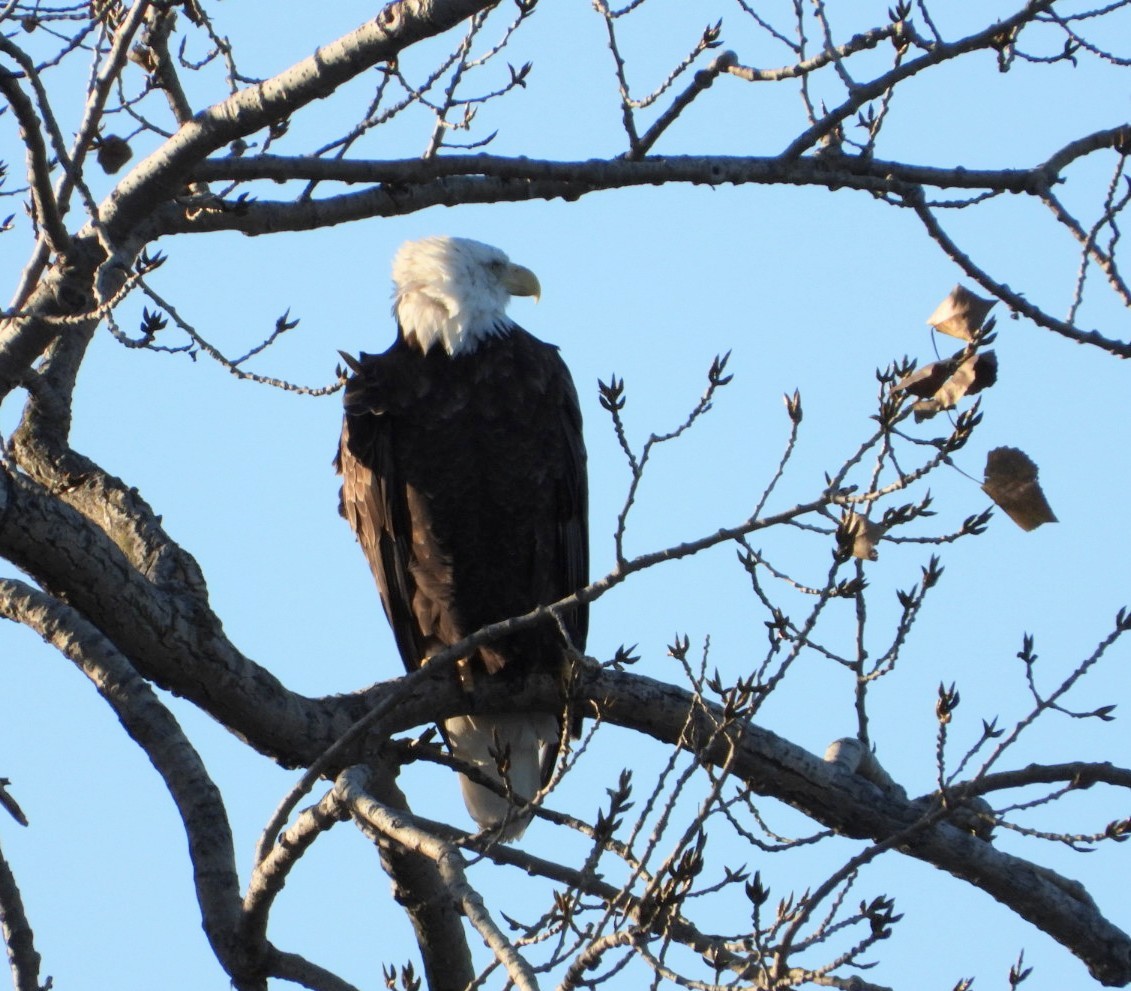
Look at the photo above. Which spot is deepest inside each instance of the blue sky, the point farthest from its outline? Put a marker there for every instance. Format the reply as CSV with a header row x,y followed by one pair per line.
x,y
809,291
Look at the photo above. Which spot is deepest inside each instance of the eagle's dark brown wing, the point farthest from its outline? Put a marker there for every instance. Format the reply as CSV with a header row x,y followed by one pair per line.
x,y
465,481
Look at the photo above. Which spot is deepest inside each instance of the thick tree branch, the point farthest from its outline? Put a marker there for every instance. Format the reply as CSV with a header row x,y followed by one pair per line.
x,y
18,938
431,882
420,888
849,804
154,729
168,635
116,508
63,291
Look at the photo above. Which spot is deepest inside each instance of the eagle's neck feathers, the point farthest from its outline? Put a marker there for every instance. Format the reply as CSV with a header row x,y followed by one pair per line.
x,y
426,321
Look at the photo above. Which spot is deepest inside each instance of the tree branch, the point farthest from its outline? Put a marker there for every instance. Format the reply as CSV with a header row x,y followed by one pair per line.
x,y
862,93
18,937
852,806
155,730
426,880
159,177
1014,300
292,967
171,636
591,175
46,209
271,870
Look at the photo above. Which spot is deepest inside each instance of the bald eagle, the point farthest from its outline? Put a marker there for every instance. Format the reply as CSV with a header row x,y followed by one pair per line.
x,y
463,477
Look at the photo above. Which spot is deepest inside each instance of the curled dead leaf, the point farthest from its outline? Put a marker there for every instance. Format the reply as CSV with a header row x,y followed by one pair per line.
x,y
113,152
1011,481
961,314
942,384
984,372
926,381
864,533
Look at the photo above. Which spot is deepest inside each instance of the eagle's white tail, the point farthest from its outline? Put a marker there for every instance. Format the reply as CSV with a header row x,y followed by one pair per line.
x,y
527,735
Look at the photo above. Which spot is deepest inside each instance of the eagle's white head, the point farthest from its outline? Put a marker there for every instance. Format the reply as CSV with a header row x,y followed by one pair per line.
x,y
454,291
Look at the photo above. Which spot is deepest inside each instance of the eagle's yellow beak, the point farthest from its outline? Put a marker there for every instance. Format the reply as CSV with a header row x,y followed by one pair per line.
x,y
520,281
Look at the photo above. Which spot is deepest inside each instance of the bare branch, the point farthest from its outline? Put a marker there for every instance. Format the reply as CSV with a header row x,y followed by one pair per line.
x,y
702,82
46,209
18,937
154,729
859,43
859,172
273,867
937,54
1014,300
158,178
427,879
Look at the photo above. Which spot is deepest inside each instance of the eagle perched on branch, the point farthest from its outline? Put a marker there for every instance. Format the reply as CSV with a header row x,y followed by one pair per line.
x,y
463,477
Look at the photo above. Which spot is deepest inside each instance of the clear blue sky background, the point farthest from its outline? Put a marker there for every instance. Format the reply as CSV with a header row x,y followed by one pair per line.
x,y
809,290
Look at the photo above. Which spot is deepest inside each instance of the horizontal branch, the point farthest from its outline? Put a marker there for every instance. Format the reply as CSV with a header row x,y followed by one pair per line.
x,y
188,653
1077,773
853,806
844,802
860,172
405,186
161,175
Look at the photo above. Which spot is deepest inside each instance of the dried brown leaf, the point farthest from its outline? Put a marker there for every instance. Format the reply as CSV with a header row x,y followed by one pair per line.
x,y
865,535
926,408
976,373
985,372
942,384
113,152
1011,481
926,381
961,314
